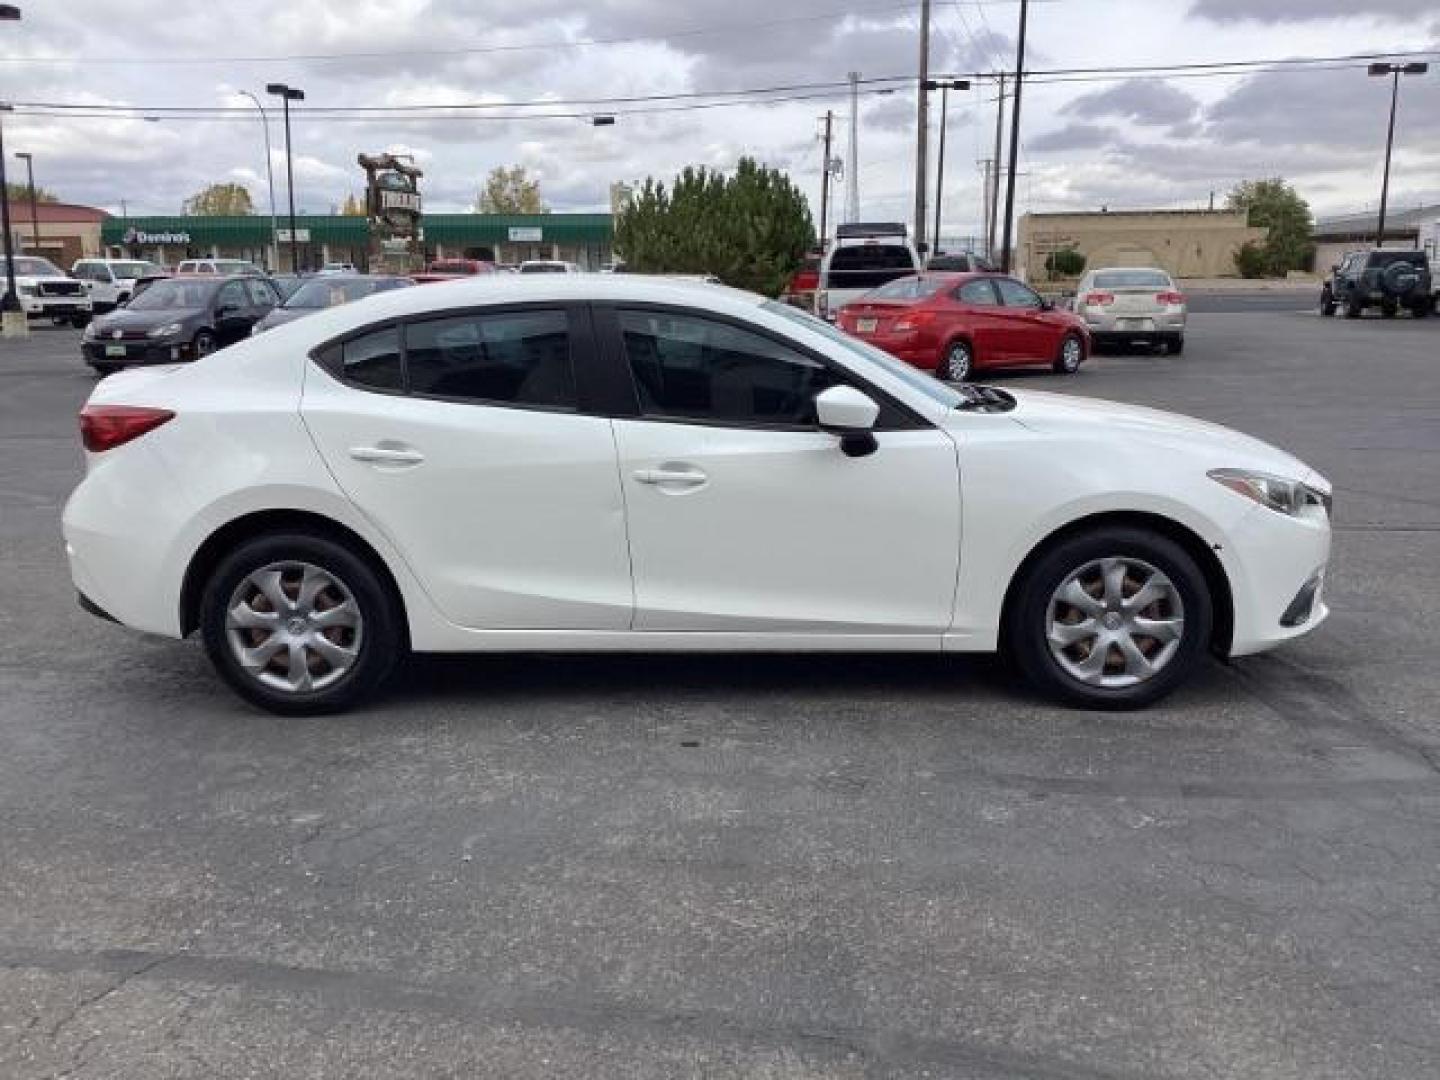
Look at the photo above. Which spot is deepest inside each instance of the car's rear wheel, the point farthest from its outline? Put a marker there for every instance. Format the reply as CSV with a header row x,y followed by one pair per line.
x,y
205,343
1353,308
1175,345
105,369
957,363
1421,308
1389,308
1113,618
299,624
1071,355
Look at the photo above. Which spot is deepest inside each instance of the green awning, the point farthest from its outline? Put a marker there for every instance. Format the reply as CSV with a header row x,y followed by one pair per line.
x,y
253,230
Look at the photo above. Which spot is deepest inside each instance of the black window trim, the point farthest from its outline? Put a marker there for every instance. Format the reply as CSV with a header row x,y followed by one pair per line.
x,y
581,341
617,371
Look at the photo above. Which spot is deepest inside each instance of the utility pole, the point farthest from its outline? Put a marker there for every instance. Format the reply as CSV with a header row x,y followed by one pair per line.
x,y
852,181
825,182
1014,139
29,160
994,214
987,232
1394,71
922,126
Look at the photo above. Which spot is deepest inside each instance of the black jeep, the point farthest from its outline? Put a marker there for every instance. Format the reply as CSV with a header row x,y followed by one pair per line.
x,y
1386,279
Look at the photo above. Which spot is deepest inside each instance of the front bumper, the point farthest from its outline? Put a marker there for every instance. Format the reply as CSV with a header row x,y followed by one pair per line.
x,y
1277,566
135,353
55,307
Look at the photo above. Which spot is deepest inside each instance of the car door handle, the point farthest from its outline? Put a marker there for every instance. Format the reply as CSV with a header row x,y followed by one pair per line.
x,y
671,477
386,455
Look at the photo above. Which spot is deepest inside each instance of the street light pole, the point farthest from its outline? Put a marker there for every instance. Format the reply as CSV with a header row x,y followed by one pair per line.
x,y
28,158
270,183
945,85
922,126
288,94
1014,141
1394,71
12,316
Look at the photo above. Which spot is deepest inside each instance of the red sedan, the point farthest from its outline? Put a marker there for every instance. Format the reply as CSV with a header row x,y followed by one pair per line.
x,y
956,324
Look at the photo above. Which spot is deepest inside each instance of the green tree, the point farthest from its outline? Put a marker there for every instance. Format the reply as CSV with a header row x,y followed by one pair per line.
x,y
20,193
1251,260
750,229
1067,262
510,191
1276,206
220,200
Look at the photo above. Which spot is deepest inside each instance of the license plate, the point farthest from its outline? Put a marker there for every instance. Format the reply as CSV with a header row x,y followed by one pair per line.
x,y
1133,324
114,350
865,326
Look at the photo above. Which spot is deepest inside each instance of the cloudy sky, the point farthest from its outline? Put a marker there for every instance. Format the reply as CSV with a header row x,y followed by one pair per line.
x,y
1117,141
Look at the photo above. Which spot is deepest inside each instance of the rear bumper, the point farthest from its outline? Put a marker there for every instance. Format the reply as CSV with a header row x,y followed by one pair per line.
x,y
1122,337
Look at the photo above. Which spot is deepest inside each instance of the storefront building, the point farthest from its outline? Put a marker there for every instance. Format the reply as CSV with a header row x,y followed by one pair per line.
x,y
585,239
60,232
1187,243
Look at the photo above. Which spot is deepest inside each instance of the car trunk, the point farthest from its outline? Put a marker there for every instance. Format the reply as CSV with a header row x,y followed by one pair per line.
x,y
874,316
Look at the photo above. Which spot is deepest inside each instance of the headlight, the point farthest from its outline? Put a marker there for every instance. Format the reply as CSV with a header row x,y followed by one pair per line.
x,y
168,330
27,290
1275,492
92,331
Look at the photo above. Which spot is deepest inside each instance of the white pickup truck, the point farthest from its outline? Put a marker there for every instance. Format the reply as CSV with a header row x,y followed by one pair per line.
x,y
45,292
111,281
862,257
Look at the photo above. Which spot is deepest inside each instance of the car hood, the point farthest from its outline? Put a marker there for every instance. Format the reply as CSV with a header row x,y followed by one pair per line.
x,y
1061,414
126,319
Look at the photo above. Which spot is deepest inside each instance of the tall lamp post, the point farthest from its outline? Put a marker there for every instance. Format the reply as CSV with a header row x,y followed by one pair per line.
x,y
944,86
269,181
1394,71
288,94
12,315
28,158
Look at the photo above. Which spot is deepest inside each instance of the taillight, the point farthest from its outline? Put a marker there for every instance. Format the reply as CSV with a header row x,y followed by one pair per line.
x,y
104,427
1099,299
914,320
805,281
1169,298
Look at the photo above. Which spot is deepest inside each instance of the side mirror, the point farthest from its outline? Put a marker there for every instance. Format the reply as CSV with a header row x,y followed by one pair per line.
x,y
845,411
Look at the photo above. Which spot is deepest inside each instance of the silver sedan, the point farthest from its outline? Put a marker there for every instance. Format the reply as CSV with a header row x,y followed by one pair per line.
x,y
1132,304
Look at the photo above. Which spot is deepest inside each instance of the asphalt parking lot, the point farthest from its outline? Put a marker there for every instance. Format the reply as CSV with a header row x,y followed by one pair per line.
x,y
749,866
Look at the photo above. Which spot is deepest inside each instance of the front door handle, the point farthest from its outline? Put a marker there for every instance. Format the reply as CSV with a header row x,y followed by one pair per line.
x,y
671,476
387,455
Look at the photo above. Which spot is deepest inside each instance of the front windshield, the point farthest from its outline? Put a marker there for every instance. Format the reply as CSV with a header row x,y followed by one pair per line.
x,y
333,293
172,294
134,269
912,377
34,266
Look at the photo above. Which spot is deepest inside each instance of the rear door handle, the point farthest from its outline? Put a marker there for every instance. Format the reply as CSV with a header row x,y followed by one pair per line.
x,y
387,455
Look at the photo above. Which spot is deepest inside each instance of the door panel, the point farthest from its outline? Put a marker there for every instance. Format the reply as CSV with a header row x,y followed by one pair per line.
x,y
511,518
978,312
1028,334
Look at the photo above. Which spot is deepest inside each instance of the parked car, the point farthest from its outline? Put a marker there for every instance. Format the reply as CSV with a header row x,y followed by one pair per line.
x,y
337,268
45,292
110,282
862,257
448,269
1125,305
146,280
180,318
610,462
800,290
328,290
1387,278
548,266
286,284
216,266
957,324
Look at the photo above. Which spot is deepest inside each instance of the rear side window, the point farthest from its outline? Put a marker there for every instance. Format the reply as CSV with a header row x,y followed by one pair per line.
x,y
1386,258
908,288
374,360
979,292
691,367
513,358
868,266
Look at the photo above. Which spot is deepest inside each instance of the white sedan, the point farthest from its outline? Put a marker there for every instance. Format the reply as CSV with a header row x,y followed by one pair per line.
x,y
598,462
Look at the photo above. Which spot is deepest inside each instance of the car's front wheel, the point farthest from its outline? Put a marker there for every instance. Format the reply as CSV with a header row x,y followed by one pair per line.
x,y
1071,355
1327,302
1113,618
958,362
205,343
299,624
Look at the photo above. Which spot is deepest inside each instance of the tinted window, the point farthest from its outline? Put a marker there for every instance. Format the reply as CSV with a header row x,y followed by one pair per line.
x,y
520,358
331,292
1013,294
374,360
979,292
868,266
696,368
1133,279
174,293
1385,258
908,288
261,294
232,294
34,266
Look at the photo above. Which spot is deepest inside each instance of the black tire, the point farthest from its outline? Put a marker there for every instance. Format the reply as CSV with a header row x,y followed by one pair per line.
x,y
378,643
1353,309
957,363
1070,355
1327,302
1421,308
1027,615
1388,309
105,369
205,343
79,322
1175,346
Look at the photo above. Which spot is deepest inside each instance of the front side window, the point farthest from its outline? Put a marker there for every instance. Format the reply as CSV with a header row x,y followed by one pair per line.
x,y
34,266
694,368
979,293
374,360
232,295
1013,294
515,358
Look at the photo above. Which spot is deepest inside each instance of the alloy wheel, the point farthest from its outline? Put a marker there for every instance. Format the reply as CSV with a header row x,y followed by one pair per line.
x,y
957,363
294,627
1071,353
1115,622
